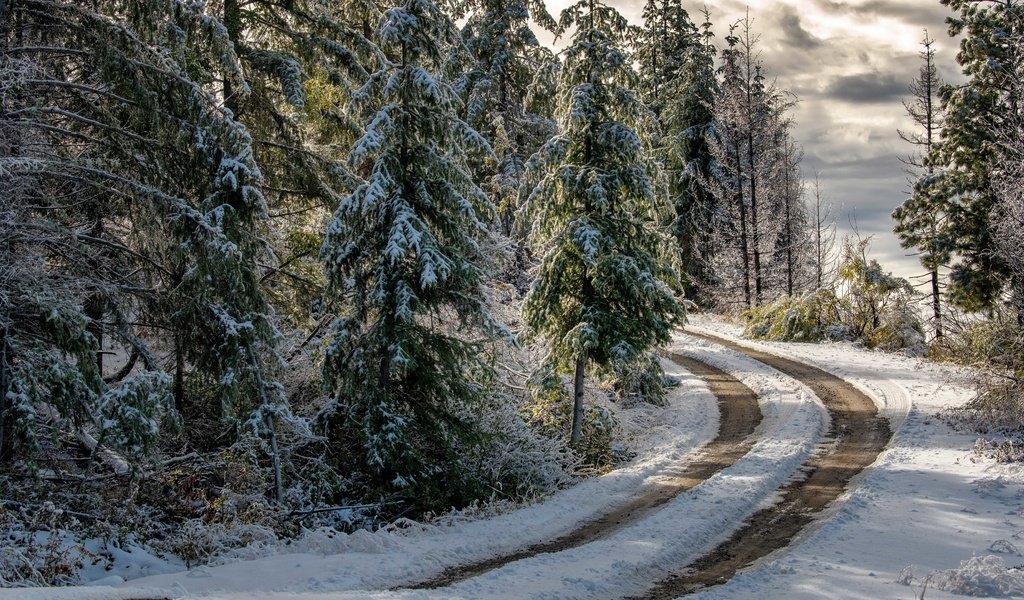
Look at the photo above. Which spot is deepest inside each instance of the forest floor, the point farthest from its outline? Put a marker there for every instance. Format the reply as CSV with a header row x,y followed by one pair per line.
x,y
842,483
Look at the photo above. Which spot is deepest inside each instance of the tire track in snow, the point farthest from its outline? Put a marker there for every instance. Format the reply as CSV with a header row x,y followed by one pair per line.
x,y
858,434
740,416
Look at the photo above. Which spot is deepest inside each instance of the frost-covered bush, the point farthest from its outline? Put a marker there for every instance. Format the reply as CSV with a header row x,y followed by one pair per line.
x,y
993,347
870,306
550,411
640,381
901,330
979,576
198,542
876,305
990,343
518,462
810,317
36,548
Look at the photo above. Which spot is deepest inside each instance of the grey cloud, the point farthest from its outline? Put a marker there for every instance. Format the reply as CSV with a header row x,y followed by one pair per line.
x,y
867,88
794,32
926,14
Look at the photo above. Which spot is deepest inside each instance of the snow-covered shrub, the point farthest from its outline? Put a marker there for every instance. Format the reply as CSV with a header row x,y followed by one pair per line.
x,y
979,576
870,306
876,305
550,411
516,461
36,548
640,381
810,317
990,344
198,542
901,330
997,413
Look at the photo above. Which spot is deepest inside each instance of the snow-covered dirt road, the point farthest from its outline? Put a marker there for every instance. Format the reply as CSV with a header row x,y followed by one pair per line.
x,y
739,417
854,440
927,502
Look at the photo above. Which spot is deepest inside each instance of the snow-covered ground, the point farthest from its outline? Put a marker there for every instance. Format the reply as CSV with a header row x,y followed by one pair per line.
x,y
928,502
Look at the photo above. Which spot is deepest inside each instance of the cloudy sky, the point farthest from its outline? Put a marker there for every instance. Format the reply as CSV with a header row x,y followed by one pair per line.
x,y
849,63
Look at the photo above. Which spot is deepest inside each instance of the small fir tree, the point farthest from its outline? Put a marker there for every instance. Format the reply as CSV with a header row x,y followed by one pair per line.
x,y
599,295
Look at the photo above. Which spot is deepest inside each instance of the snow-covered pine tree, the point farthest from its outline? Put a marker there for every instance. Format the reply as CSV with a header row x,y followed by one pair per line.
x,y
404,273
505,57
688,122
599,295
973,114
149,196
661,50
920,218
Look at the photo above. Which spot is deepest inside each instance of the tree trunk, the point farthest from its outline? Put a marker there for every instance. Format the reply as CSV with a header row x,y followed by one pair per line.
x,y
755,241
577,394
744,242
936,306
233,25
179,374
6,420
95,308
581,364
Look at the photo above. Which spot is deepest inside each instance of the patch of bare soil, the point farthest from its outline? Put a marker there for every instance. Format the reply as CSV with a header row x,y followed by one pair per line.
x,y
740,416
855,438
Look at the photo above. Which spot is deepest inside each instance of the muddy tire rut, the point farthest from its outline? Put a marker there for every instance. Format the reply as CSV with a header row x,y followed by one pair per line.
x,y
740,416
856,436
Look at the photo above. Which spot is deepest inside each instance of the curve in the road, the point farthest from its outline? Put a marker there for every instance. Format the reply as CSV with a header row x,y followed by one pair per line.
x,y
858,434
740,416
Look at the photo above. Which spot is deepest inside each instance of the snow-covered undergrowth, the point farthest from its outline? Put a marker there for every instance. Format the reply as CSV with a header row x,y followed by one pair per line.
x,y
328,560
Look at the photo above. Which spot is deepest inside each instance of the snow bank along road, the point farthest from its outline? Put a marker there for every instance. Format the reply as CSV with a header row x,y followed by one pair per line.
x,y
678,520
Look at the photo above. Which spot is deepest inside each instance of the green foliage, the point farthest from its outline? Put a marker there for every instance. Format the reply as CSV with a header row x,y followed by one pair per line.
x,y
600,289
810,317
641,381
877,305
688,122
505,54
870,305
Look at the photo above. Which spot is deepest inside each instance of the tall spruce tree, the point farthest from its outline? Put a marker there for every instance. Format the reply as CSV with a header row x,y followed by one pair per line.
x,y
404,273
662,50
600,294
973,114
920,220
